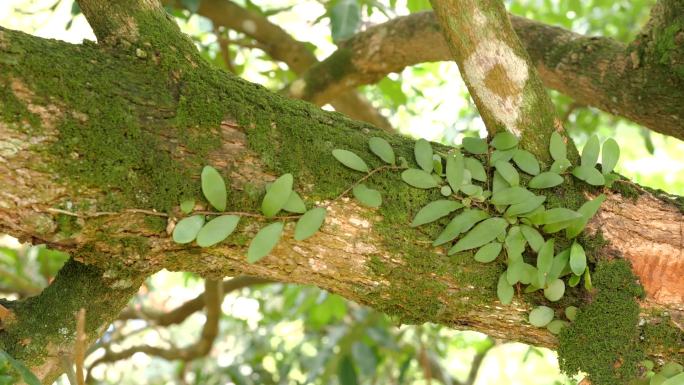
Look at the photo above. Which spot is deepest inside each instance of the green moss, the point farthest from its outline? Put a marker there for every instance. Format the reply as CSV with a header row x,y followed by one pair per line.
x,y
663,338
154,223
15,112
665,44
67,225
604,339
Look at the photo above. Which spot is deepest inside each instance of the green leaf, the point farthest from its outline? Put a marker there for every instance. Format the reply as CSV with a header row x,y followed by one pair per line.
x,y
545,180
309,223
556,215
501,156
676,380
533,237
556,325
587,279
350,160
557,147
187,228
277,195
435,210
347,372
483,233
28,377
545,260
504,291
445,191
382,149
526,162
515,243
437,164
294,204
475,146
460,224
367,196
216,230
588,210
559,166
511,195
541,316
571,313
589,174
574,280
515,272
525,206
423,153
609,156
477,170
508,172
264,241
504,140
488,252
419,178
214,188
554,290
187,205
590,152
455,167
345,19
560,265
498,183
578,259
670,369
472,190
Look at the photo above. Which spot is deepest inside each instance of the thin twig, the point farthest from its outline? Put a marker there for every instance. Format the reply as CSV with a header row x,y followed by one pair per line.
x,y
345,192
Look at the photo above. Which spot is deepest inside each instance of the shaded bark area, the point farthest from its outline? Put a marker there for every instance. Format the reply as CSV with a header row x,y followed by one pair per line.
x,y
632,81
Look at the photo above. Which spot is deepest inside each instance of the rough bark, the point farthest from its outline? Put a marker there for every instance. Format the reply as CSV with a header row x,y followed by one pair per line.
x,y
641,81
148,95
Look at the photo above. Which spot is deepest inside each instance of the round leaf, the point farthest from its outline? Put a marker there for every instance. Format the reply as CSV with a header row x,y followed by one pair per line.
x,y
382,149
309,223
526,162
187,228
483,233
419,178
504,140
571,313
545,180
264,241
187,205
277,195
557,147
554,290
294,204
216,230
541,316
556,325
435,210
350,160
475,146
609,155
445,191
578,259
214,188
590,152
367,196
423,154
488,252
504,291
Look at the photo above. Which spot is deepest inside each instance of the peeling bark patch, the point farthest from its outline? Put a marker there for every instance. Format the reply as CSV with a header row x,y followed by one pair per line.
x,y
498,75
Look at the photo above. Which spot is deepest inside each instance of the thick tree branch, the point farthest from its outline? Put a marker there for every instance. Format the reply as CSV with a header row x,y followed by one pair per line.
x,y
628,81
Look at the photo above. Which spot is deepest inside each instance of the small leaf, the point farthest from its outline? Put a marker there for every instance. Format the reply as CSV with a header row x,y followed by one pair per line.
x,y
498,183
559,166
587,280
609,156
504,291
508,172
532,236
556,215
309,223
556,325
578,259
590,152
511,195
367,196
455,167
216,230
187,205
345,19
423,154
488,252
545,260
460,224
477,170
295,204
187,228
588,210
472,190
437,164
574,280
526,206
557,147
475,146
515,272
214,188
515,243
554,290
382,149
350,160
501,156
504,140
264,241
483,233
541,316
445,191
277,195
589,174
571,313
526,162
419,178
545,180
560,265
435,210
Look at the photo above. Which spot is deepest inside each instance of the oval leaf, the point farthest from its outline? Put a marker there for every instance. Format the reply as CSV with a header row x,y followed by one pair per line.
x,y
556,215
455,168
590,152
345,19
419,178
461,223
508,172
541,316
545,260
187,228
483,233
557,147
559,166
309,223
587,210
533,237
477,170
264,241
589,174
382,149
423,154
545,180
526,162
445,191
350,160
609,156
526,206
511,195
187,205
578,259
488,252
277,195
556,325
554,290
435,210
295,204
217,230
367,196
571,313
475,146
504,291
504,140
214,188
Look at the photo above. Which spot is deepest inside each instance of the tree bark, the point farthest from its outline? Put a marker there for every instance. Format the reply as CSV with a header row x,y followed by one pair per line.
x,y
89,149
